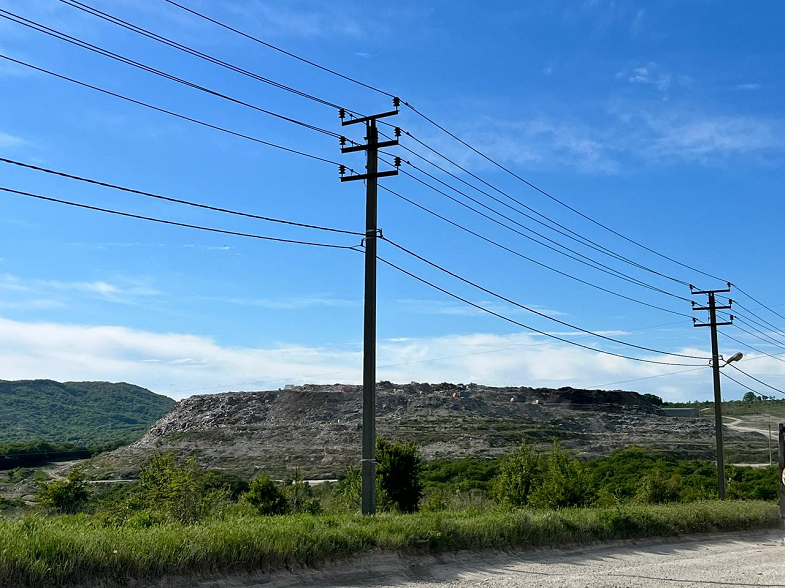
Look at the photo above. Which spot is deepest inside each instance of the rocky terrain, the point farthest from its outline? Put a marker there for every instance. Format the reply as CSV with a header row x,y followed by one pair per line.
x,y
318,427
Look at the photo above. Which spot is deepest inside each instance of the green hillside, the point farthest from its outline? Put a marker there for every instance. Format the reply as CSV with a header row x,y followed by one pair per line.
x,y
91,414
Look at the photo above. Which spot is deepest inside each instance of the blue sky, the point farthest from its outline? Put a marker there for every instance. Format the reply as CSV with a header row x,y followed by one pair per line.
x,y
663,120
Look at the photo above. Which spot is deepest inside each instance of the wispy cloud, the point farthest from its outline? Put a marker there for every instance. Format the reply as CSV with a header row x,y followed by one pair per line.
x,y
434,307
10,141
647,74
748,87
292,302
123,290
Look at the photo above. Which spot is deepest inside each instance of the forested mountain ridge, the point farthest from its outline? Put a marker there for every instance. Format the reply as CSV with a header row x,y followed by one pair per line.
x,y
91,414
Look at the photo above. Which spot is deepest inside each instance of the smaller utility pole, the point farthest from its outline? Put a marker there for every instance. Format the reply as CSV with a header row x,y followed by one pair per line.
x,y
368,461
782,470
715,365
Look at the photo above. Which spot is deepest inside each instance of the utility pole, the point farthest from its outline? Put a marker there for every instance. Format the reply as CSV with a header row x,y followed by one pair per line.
x,y
371,148
715,365
782,470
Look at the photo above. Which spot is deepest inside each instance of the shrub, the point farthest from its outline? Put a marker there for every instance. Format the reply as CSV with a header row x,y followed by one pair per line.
x,y
299,495
265,496
65,496
398,470
183,492
564,483
657,488
518,474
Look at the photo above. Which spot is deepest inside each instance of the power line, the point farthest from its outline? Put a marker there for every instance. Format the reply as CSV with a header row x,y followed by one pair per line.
x,y
757,380
431,121
178,200
169,112
190,50
390,365
521,255
732,379
122,59
505,318
548,195
175,223
761,321
567,232
732,338
582,241
648,377
585,260
532,310
271,46
761,335
759,302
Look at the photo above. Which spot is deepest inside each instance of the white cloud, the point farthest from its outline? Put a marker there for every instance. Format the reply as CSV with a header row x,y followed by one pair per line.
x,y
637,23
648,74
182,364
748,87
291,302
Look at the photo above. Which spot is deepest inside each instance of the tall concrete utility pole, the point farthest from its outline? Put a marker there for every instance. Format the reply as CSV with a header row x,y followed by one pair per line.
x,y
715,367
782,470
371,148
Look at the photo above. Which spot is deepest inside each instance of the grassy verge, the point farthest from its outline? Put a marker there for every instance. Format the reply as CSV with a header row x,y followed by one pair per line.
x,y
58,551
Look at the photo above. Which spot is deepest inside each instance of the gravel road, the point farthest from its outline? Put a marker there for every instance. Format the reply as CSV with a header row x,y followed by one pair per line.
x,y
751,559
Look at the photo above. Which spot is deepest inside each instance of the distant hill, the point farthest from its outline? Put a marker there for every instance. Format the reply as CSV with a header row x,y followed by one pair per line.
x,y
92,414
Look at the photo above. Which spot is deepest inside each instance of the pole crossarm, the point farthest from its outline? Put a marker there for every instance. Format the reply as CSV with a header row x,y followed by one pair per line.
x,y
367,119
354,148
356,177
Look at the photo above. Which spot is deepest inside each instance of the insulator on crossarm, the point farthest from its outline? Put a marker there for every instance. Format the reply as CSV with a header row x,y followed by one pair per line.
x,y
396,102
397,132
341,170
341,113
342,141
397,161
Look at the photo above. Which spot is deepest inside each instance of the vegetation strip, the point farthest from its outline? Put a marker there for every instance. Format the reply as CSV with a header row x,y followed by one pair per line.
x,y
67,550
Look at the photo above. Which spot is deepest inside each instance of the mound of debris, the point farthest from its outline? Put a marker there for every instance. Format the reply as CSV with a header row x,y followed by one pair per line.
x,y
318,427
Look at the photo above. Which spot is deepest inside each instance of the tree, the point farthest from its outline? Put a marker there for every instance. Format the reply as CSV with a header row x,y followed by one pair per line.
x,y
265,495
657,488
398,470
518,474
653,398
750,397
65,496
299,495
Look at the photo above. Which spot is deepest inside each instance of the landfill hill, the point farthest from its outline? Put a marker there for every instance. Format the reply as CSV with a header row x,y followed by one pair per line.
x,y
319,427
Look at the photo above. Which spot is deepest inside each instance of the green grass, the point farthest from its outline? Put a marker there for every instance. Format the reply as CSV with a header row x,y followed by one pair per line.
x,y
58,551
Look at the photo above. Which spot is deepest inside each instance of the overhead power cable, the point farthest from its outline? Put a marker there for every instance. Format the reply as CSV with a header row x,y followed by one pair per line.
x,y
583,242
769,308
529,309
558,227
280,50
761,321
175,223
169,112
748,346
178,200
732,379
391,365
647,377
577,257
757,380
196,53
422,115
761,336
526,257
122,59
527,327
